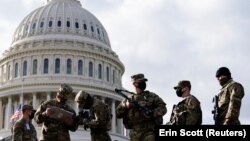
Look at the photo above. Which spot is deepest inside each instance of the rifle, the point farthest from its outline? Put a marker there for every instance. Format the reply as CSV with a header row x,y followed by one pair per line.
x,y
172,120
146,111
215,112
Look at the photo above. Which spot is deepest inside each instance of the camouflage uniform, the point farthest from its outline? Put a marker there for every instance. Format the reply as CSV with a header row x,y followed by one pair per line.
x,y
142,126
99,123
99,120
24,131
229,103
52,129
187,112
229,98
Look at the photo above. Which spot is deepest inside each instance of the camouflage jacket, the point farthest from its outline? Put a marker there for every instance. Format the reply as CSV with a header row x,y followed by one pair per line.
x,y
187,112
24,131
53,129
135,118
100,116
229,102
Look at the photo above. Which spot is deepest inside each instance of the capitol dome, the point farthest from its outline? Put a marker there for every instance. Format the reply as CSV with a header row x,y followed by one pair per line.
x,y
60,42
61,19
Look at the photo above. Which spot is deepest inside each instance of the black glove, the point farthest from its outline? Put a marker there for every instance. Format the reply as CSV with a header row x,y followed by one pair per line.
x,y
84,114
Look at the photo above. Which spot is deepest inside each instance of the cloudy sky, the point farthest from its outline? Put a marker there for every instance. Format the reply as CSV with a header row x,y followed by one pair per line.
x,y
168,41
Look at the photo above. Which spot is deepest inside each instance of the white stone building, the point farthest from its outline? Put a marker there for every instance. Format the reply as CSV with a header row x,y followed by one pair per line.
x,y
60,42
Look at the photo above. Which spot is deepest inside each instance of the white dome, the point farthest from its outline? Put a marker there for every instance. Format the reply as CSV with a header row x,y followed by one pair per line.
x,y
61,19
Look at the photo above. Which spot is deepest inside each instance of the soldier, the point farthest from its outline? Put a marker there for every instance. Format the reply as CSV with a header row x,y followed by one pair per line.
x,y
94,114
140,122
229,98
53,128
23,129
188,110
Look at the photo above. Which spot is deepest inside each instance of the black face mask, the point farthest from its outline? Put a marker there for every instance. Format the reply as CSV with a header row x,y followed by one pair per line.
x,y
224,81
32,114
179,92
142,85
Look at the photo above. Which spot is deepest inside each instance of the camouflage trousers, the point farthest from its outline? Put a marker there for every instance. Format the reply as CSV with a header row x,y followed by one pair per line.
x,y
142,135
100,136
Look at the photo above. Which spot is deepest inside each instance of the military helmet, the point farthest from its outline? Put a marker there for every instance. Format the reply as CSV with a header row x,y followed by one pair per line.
x,y
27,107
81,96
139,78
223,71
183,83
65,90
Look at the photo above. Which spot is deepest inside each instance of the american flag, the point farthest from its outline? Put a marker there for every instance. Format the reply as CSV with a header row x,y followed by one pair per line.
x,y
16,114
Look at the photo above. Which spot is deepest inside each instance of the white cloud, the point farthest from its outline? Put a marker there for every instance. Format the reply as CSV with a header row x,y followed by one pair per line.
x,y
29,3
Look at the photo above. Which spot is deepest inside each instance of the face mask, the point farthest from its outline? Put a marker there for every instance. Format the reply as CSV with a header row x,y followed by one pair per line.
x,y
31,116
223,81
179,92
142,85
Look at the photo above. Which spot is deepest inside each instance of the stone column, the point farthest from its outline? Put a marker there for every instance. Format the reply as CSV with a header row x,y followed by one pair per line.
x,y
1,114
48,95
21,95
8,113
34,101
122,127
113,129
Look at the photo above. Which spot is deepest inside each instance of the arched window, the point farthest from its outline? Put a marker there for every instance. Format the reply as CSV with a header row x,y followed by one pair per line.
x,y
107,73
98,31
90,69
16,70
80,70
77,25
34,26
50,23
69,66
84,26
68,23
25,65
59,23
46,66
92,28
41,24
103,34
57,65
100,71
34,71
